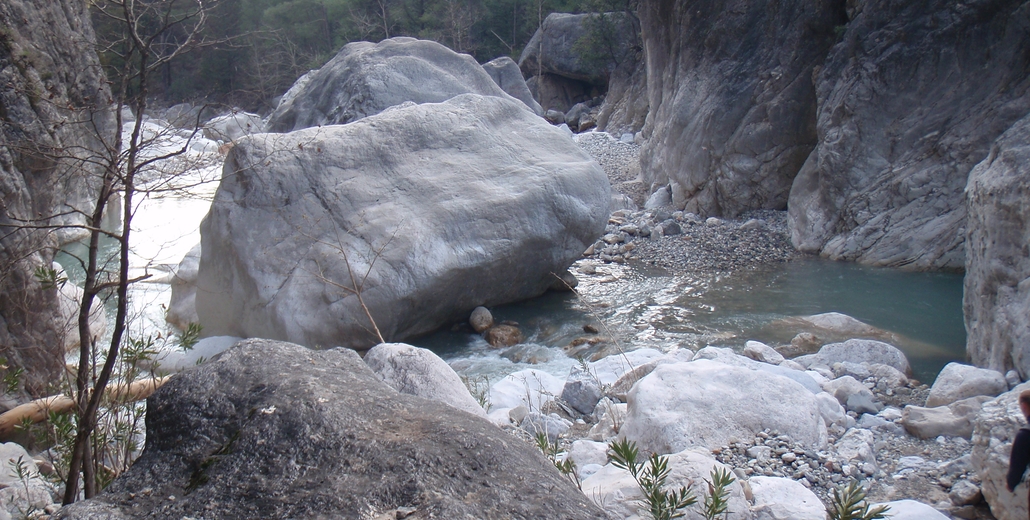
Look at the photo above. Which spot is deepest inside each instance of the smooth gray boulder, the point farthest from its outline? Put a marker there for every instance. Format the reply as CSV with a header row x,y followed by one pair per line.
x,y
954,420
732,99
366,78
435,209
417,371
994,429
506,73
232,126
910,100
275,430
959,381
182,306
582,390
997,297
859,351
675,407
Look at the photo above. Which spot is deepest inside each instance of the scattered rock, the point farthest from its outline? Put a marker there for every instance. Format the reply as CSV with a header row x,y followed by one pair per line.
x,y
958,381
481,319
417,371
504,335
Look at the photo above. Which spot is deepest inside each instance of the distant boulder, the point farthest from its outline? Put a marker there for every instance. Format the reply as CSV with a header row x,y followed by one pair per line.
x,y
434,209
366,78
506,73
574,46
232,126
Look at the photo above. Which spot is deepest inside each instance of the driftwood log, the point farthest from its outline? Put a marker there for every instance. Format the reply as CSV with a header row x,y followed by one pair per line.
x,y
38,410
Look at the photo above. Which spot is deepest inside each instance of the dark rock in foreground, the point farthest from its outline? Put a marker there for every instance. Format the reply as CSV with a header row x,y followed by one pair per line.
x,y
274,430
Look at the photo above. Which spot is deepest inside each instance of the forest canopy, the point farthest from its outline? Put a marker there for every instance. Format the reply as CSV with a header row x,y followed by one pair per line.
x,y
265,45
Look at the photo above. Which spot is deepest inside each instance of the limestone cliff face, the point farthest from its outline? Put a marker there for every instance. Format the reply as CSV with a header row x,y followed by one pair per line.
x,y
50,80
997,292
732,101
909,101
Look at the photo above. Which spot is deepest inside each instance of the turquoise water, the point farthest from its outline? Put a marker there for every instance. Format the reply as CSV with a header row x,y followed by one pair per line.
x,y
921,313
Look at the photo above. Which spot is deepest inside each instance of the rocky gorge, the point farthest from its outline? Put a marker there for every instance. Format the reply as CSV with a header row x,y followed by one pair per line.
x,y
403,185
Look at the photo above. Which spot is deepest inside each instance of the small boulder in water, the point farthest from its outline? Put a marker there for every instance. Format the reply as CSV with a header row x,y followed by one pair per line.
x,y
504,336
481,319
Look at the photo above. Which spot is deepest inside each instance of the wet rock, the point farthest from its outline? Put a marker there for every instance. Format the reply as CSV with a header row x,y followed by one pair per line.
x,y
504,336
481,319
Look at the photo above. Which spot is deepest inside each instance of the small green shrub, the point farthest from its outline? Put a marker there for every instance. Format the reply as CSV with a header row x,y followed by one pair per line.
x,y
848,503
651,476
551,450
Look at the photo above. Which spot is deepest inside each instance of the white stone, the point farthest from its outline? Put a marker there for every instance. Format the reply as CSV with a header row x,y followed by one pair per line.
x,y
665,407
759,351
844,387
615,491
784,499
609,369
858,351
831,410
912,510
233,126
856,446
953,420
418,371
530,388
584,452
728,357
958,381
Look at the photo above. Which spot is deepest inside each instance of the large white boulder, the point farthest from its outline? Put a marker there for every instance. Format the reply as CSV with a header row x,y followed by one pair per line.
x,y
859,351
366,78
615,491
708,404
784,499
506,73
530,388
427,210
417,371
993,432
959,381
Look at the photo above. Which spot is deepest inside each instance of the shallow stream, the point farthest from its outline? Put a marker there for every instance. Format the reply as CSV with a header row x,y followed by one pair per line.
x,y
921,313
